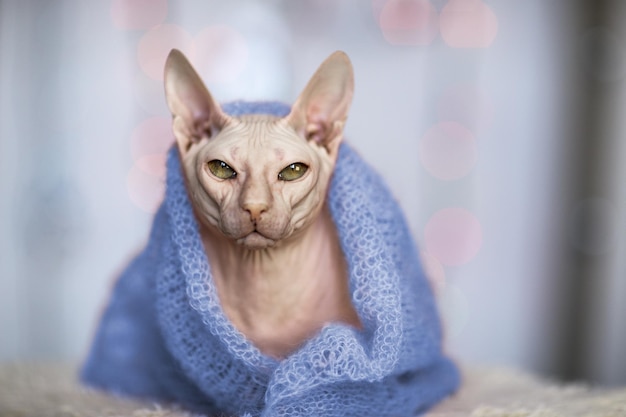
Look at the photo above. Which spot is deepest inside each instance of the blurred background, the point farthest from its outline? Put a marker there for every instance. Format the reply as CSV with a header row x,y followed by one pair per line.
x,y
498,125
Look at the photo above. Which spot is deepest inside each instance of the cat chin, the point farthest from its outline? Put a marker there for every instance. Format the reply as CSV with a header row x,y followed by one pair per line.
x,y
256,241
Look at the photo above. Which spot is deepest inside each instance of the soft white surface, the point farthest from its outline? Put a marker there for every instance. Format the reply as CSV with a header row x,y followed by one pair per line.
x,y
50,390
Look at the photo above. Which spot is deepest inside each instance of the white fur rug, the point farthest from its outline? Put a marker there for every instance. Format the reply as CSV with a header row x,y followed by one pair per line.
x,y
51,390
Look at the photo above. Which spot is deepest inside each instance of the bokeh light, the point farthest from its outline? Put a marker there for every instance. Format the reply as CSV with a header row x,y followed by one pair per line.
x,y
138,14
467,104
154,165
152,136
468,24
145,189
157,43
448,151
435,272
149,144
453,236
221,54
407,22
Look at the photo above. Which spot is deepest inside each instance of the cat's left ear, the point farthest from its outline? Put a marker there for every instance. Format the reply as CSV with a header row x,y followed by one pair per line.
x,y
196,114
321,110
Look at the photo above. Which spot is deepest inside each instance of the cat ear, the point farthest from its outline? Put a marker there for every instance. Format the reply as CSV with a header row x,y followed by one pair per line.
x,y
196,114
321,110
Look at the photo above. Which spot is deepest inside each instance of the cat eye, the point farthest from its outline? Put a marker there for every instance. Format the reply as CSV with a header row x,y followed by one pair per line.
x,y
221,169
292,172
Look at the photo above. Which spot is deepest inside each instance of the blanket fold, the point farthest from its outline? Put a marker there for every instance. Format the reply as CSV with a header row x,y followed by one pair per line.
x,y
165,336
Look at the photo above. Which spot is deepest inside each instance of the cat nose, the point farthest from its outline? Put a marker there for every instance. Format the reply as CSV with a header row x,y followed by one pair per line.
x,y
255,197
255,210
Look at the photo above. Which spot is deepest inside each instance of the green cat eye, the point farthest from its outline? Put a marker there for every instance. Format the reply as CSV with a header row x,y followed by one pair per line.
x,y
292,172
221,169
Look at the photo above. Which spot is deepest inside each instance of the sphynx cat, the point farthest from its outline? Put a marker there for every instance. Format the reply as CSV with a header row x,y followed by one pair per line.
x,y
258,187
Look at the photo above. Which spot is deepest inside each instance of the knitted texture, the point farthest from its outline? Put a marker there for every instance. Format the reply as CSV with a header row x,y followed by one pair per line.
x,y
165,336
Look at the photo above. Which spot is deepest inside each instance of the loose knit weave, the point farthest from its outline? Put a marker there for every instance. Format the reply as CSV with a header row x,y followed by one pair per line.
x,y
165,336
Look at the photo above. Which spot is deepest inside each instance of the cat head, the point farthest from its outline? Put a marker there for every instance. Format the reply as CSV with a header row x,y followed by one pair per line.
x,y
259,179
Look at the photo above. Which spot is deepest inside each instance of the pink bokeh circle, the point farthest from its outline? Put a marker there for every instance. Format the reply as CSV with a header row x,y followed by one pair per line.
x,y
453,236
435,272
468,24
408,22
157,43
138,14
149,144
154,165
448,151
152,136
145,189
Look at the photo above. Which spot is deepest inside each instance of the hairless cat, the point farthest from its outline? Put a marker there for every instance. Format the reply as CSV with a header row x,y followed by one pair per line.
x,y
280,277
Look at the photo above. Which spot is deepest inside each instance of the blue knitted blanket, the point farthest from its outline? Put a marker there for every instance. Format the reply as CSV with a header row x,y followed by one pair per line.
x,y
164,334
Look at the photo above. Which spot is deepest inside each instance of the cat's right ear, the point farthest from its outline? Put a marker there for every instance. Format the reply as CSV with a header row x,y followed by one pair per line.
x,y
195,114
321,110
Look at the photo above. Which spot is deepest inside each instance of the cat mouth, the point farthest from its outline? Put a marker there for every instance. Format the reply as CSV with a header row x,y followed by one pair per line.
x,y
256,240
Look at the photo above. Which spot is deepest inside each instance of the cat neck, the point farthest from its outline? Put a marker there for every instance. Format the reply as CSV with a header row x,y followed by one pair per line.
x,y
289,270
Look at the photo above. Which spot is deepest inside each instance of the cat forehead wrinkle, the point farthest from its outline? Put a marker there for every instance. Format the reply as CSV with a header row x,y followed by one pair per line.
x,y
253,142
